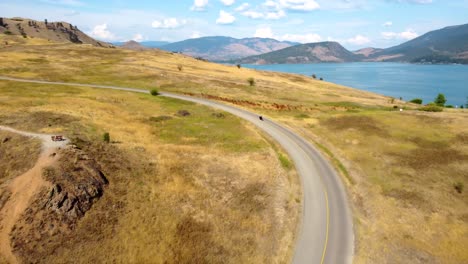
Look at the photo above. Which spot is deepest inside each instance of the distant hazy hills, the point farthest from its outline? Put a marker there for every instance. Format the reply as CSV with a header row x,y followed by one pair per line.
x,y
54,31
447,45
226,48
305,53
144,44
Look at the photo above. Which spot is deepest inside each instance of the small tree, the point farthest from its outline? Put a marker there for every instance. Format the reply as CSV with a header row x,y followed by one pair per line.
x,y
154,92
45,21
440,100
321,78
251,81
238,66
180,67
314,76
106,137
417,101
1,21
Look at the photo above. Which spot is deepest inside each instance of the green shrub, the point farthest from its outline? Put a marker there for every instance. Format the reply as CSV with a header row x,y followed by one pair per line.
x,y
180,67
154,92
449,106
431,108
8,32
416,101
251,81
106,137
238,66
459,187
440,100
159,118
314,76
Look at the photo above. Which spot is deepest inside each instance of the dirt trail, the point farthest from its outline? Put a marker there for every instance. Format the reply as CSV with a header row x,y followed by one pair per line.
x,y
23,188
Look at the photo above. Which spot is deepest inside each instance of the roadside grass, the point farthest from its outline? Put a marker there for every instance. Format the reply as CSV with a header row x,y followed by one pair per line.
x,y
404,165
180,190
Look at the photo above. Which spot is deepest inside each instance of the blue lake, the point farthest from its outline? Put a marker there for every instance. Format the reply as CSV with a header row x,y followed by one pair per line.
x,y
393,79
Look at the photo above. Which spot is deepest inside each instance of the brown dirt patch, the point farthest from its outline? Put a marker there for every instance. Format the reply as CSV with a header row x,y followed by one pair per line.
x,y
193,243
361,123
430,158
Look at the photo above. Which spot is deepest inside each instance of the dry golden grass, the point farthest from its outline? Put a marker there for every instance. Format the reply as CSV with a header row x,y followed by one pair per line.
x,y
17,155
171,199
400,167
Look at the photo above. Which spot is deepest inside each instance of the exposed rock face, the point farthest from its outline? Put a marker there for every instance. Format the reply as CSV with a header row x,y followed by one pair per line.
x,y
54,31
77,183
74,195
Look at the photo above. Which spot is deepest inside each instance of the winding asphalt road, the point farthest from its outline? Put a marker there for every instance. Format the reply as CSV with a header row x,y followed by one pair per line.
x,y
326,232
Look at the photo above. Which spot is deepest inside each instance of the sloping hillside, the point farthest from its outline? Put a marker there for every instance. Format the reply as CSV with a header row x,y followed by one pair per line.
x,y
306,53
445,45
225,48
52,31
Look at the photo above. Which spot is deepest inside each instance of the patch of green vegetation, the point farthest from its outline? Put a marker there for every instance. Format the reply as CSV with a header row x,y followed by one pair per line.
x,y
285,162
302,116
431,108
203,128
154,92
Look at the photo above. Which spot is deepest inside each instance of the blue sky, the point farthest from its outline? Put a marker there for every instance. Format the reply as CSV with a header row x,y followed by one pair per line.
x,y
354,23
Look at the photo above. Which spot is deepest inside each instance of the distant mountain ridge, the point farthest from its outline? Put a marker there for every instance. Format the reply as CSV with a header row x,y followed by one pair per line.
x,y
447,45
54,31
221,48
147,44
305,53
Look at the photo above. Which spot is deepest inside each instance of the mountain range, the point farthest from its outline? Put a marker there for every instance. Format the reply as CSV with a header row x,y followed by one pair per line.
x,y
226,48
447,45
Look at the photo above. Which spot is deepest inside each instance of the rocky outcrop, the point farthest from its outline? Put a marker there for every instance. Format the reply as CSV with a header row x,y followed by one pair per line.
x,y
77,182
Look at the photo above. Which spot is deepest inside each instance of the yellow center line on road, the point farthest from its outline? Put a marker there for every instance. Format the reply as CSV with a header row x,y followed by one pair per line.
x,y
325,192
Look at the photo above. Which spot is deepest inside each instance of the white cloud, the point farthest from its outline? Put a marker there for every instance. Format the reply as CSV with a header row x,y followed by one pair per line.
x,y
253,14
101,32
225,18
195,34
358,40
199,5
264,32
303,38
168,23
242,7
228,2
267,32
388,24
297,5
407,35
138,37
275,15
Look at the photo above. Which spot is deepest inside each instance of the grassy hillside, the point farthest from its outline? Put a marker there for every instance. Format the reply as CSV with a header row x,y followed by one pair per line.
x,y
403,170
205,187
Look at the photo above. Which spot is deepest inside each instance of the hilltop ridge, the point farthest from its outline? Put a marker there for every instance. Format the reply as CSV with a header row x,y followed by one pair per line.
x,y
52,31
